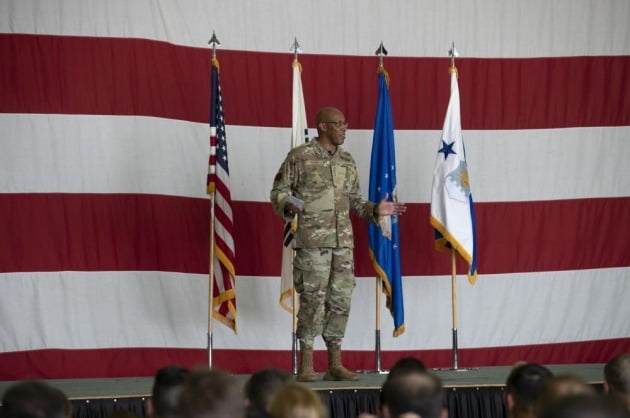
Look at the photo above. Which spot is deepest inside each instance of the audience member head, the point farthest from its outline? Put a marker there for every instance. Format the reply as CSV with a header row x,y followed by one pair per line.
x,y
418,393
405,366
523,387
294,400
617,377
260,387
210,394
586,406
167,384
562,386
35,399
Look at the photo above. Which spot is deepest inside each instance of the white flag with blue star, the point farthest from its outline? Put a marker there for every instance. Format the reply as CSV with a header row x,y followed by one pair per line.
x,y
452,209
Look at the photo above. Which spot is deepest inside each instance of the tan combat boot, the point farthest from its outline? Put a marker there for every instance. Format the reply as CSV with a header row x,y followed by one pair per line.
x,y
336,371
306,373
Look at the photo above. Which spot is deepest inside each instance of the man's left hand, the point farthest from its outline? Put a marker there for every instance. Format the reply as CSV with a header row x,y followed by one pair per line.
x,y
385,208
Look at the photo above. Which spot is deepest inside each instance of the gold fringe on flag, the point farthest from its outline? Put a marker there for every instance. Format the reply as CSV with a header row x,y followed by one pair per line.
x,y
382,69
452,70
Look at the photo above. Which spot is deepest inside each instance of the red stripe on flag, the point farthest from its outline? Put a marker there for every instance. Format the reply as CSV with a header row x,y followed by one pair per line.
x,y
120,76
93,232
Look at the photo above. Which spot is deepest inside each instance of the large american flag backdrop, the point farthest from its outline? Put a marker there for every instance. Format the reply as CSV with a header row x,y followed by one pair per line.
x,y
103,162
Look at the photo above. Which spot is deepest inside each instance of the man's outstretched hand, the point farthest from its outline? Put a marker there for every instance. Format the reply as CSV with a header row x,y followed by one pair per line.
x,y
385,208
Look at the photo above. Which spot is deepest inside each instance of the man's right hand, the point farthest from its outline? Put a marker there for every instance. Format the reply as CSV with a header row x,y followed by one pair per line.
x,y
290,209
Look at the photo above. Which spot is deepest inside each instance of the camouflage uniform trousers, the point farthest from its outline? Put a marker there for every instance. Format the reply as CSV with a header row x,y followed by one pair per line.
x,y
324,279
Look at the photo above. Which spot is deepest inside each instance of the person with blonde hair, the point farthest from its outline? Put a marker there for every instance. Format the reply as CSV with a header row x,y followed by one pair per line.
x,y
294,400
586,406
561,386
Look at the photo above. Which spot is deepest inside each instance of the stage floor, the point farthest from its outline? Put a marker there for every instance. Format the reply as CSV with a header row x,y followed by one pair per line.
x,y
138,387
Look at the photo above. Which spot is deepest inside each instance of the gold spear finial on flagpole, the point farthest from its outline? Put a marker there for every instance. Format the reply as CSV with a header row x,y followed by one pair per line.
x,y
380,52
453,53
295,48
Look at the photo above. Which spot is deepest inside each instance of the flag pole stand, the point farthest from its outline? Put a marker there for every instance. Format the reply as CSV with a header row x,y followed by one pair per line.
x,y
377,332
294,340
454,350
454,308
211,283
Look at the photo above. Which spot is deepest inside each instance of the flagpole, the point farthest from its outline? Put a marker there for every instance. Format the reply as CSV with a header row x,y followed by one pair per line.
x,y
211,285
380,53
294,345
454,306
451,207
377,333
213,42
455,353
295,48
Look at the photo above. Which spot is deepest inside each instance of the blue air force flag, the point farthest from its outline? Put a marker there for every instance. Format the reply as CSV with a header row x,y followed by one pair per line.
x,y
452,209
384,241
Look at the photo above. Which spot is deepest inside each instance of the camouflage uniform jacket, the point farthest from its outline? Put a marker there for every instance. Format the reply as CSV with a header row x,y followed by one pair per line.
x,y
329,186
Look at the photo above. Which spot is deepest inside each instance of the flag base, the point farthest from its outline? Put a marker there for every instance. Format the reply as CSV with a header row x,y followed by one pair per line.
x,y
373,371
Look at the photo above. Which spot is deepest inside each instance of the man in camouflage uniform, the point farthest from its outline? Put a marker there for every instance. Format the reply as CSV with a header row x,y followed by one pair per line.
x,y
324,177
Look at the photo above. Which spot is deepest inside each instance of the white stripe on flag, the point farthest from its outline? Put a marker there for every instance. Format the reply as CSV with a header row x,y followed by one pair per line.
x,y
110,164
169,309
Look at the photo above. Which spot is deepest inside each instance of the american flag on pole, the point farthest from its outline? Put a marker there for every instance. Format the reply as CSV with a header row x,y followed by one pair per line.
x,y
299,135
218,186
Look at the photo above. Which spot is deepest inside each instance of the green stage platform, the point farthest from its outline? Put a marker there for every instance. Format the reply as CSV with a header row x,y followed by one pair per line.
x,y
471,393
